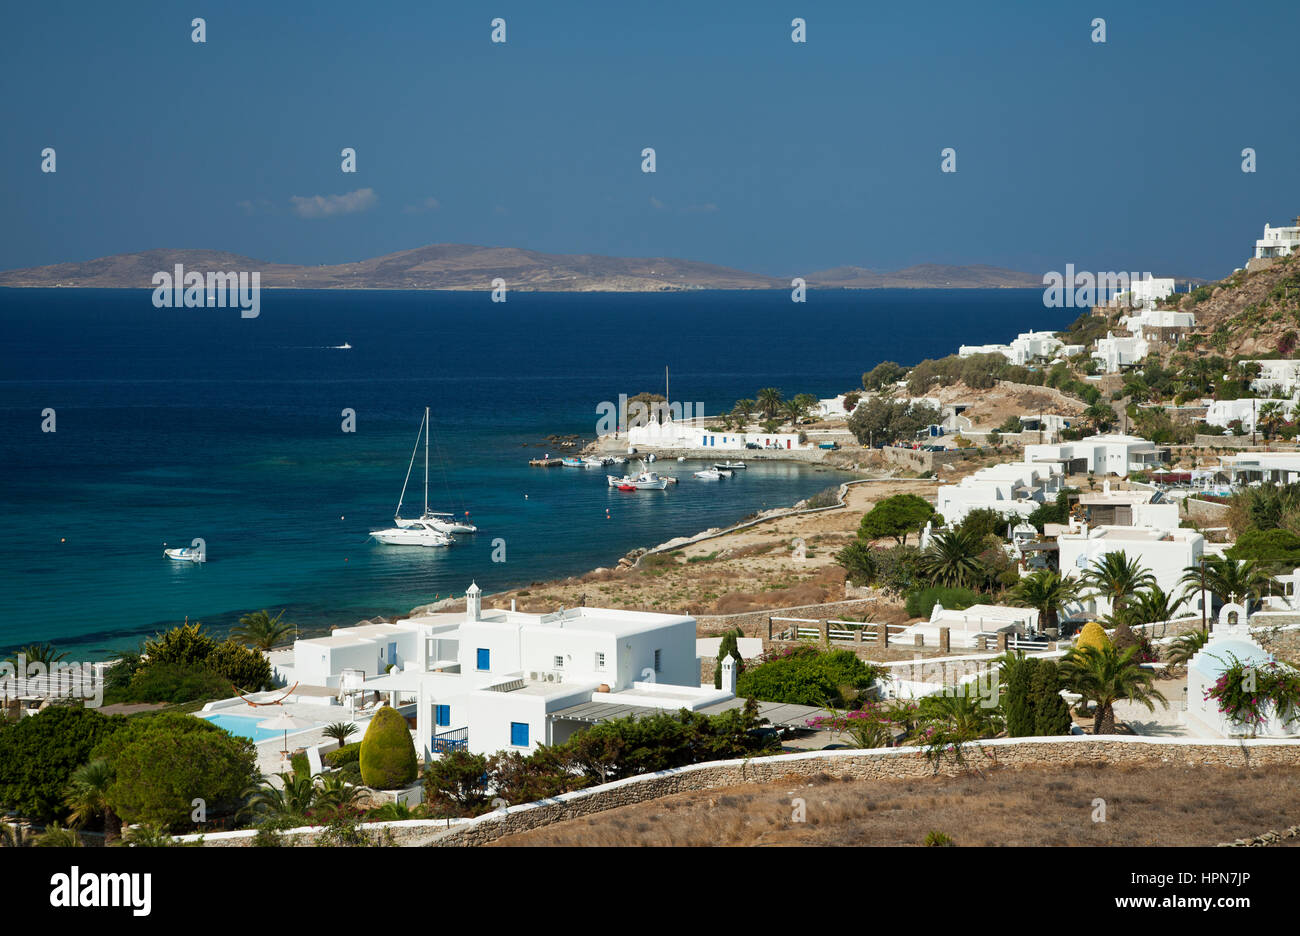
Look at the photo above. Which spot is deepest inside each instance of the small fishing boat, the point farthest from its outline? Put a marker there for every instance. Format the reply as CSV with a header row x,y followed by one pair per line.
x,y
729,466
645,481
709,474
187,554
572,462
627,487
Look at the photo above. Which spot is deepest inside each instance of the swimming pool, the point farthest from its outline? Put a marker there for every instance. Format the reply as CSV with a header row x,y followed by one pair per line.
x,y
245,726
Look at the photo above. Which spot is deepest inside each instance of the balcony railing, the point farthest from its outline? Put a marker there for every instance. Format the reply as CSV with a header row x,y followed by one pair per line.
x,y
457,740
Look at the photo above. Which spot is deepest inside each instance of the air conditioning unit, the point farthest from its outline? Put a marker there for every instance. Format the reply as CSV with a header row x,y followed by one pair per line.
x,y
533,677
550,677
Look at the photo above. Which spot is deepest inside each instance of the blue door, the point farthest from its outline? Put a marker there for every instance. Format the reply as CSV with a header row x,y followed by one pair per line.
x,y
484,659
442,716
392,653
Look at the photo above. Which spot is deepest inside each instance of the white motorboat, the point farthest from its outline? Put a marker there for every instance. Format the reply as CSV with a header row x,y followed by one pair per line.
x,y
645,481
186,554
592,461
728,466
413,533
709,474
433,528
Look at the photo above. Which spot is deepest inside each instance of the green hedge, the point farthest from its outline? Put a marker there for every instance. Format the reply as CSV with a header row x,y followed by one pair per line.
x,y
348,754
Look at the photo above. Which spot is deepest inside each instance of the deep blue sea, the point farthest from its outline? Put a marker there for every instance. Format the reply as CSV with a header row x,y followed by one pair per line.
x,y
175,424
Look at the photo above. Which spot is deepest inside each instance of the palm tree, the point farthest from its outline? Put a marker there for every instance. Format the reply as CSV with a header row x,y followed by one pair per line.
x,y
793,410
340,731
1106,675
1186,646
743,411
769,402
1271,415
56,836
1046,591
335,797
1153,605
1117,578
1225,577
290,800
261,631
952,559
87,798
42,653
1100,416
148,836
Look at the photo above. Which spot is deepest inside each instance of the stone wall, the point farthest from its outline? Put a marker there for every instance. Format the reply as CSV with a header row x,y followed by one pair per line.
x,y
1204,513
918,460
878,764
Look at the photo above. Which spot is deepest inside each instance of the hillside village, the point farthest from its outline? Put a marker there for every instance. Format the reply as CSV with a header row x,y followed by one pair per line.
x,y
1073,548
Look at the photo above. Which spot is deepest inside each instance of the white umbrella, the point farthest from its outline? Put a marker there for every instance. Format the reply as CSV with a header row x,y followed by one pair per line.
x,y
286,723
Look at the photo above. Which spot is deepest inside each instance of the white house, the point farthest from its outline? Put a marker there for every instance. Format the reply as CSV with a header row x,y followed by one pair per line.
x,y
694,434
1247,467
489,680
1224,412
1276,374
1155,324
1278,241
1108,453
1164,553
1025,348
1114,353
1012,488
1146,292
1128,508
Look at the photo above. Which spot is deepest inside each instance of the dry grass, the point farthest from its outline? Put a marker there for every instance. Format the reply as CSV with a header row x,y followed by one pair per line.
x,y
1148,805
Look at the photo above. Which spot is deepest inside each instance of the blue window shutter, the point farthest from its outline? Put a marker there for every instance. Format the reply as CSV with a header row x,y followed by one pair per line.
x,y
484,658
519,734
443,716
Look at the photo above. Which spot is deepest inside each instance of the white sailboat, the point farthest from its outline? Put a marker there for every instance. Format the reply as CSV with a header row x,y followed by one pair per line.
x,y
421,532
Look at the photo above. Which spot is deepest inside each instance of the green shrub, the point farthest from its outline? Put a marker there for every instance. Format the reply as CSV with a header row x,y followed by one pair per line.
x,y
348,754
807,676
40,752
175,683
920,604
301,766
388,760
241,666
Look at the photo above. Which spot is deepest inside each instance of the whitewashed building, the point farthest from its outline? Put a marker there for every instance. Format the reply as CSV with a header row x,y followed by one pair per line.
x,y
1115,352
1165,553
1279,241
1248,467
1025,348
1225,412
1128,508
1145,292
1108,453
694,434
1014,488
1158,324
1276,374
490,680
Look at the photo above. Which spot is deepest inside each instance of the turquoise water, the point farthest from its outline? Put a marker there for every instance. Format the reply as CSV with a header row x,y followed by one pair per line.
x,y
172,425
245,726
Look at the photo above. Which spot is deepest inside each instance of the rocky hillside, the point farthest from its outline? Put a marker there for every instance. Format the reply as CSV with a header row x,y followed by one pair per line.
x,y
1249,314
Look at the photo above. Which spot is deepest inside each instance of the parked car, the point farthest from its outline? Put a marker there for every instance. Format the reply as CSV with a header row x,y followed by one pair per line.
x,y
752,445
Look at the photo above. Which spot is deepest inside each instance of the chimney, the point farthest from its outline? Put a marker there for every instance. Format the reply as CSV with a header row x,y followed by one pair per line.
x,y
729,673
473,602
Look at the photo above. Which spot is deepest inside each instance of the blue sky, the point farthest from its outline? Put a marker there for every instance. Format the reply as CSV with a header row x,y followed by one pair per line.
x,y
772,156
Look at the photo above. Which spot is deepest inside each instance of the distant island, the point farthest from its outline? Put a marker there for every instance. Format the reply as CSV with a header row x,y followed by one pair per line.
x,y
466,267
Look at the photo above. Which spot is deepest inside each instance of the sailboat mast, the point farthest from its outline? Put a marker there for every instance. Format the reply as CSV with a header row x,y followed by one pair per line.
x,y
426,460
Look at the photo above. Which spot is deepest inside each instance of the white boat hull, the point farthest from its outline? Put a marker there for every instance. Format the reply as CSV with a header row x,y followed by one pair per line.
x,y
188,554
